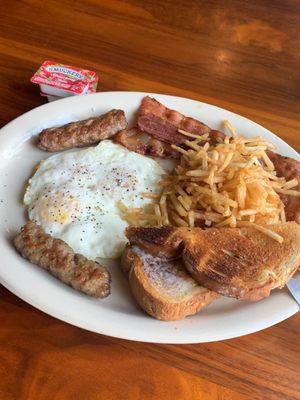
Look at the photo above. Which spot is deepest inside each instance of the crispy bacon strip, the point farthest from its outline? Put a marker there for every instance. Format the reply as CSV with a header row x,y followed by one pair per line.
x,y
289,169
59,259
82,133
163,123
136,140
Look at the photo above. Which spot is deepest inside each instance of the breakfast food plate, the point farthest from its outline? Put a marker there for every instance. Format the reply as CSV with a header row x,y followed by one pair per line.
x,y
116,315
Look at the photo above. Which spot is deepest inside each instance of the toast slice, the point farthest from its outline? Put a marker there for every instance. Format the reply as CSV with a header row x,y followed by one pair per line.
x,y
165,242
243,262
235,262
163,288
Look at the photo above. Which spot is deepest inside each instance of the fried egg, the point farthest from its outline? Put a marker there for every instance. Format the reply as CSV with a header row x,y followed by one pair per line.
x,y
74,196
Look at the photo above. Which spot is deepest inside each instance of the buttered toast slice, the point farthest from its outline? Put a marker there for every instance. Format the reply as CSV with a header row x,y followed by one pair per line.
x,y
163,288
236,262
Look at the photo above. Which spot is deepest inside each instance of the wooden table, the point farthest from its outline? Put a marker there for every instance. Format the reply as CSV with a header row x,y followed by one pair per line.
x,y
240,55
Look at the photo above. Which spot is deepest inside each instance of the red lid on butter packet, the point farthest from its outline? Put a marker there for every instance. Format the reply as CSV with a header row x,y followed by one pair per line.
x,y
64,80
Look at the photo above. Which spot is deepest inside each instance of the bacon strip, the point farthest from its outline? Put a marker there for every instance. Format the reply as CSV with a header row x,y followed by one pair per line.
x,y
136,140
82,133
289,169
163,123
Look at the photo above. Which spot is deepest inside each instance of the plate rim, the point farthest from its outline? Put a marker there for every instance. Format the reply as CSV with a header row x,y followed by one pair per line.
x,y
136,336
141,338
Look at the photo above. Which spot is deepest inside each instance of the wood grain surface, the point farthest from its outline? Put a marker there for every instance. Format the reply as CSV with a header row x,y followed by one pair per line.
x,y
240,55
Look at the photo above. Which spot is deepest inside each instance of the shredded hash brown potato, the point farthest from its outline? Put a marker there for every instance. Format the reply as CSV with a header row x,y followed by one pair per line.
x,y
232,183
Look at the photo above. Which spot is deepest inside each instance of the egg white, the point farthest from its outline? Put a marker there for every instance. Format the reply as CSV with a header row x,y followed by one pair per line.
x,y
73,196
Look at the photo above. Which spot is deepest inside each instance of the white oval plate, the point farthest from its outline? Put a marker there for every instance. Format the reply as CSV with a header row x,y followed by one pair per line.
x,y
117,315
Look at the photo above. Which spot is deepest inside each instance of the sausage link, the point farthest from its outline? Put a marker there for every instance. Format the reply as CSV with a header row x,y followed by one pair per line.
x,y
82,133
58,258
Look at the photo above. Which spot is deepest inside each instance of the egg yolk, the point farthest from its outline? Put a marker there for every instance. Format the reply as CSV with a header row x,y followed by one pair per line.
x,y
59,209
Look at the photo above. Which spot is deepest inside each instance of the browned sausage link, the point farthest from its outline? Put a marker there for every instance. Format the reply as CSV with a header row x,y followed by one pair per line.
x,y
82,133
59,259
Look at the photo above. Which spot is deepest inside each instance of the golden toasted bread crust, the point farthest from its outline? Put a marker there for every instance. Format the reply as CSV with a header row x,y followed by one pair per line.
x,y
243,263
164,242
235,262
154,299
127,259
